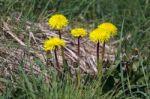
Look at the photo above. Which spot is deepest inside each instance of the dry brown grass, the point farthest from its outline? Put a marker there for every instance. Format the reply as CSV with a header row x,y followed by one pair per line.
x,y
29,40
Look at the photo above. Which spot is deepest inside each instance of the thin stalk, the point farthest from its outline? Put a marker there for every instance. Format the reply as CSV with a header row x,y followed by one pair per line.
x,y
78,62
78,53
62,51
97,52
98,62
103,51
59,32
57,63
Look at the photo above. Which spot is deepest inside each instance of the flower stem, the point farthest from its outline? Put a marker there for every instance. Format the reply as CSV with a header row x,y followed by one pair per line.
x,y
59,32
57,63
78,62
78,53
62,52
98,63
103,51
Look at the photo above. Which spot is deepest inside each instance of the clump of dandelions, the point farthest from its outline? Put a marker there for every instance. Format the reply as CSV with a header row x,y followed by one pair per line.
x,y
102,34
58,22
98,36
111,31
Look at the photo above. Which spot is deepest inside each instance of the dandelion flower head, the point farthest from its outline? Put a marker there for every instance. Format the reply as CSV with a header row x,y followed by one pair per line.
x,y
111,28
78,32
58,21
52,43
99,35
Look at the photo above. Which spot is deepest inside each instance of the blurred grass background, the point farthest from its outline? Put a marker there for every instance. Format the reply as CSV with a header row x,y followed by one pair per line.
x,y
136,30
135,13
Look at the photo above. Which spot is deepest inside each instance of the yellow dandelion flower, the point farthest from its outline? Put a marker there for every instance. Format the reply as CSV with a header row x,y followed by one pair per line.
x,y
52,43
99,35
111,28
58,42
78,32
48,45
58,21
